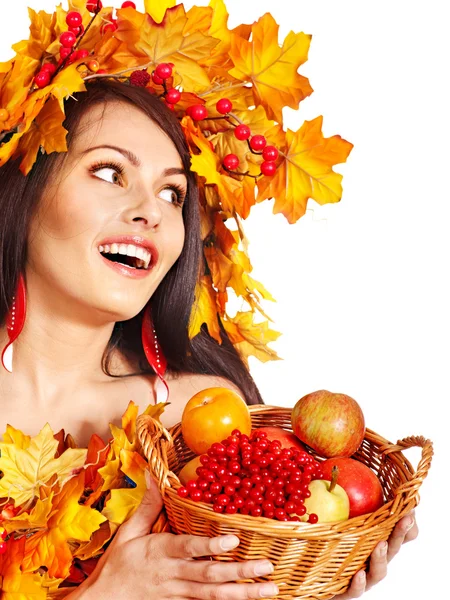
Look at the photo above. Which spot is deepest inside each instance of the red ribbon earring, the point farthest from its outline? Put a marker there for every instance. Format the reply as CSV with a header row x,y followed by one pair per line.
x,y
14,323
152,349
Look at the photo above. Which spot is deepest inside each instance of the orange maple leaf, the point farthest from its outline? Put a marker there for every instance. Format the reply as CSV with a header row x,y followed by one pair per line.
x,y
204,310
14,584
272,70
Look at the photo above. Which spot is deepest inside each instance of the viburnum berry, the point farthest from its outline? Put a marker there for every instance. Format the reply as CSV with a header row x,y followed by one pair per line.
x,y
82,53
156,79
94,6
94,66
224,106
270,153
163,70
3,547
128,4
50,67
101,71
242,132
111,26
313,518
73,18
173,96
258,142
140,78
42,79
268,167
197,112
77,31
67,39
183,492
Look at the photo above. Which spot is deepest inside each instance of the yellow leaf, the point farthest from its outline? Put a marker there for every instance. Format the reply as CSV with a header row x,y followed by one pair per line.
x,y
110,474
306,171
95,545
272,70
14,584
220,266
24,470
204,310
157,8
37,518
40,35
251,338
69,521
156,410
15,436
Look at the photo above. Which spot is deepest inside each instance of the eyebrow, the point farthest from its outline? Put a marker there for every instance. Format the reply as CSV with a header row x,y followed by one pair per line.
x,y
134,160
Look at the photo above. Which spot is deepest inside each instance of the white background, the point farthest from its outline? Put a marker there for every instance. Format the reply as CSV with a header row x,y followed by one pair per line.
x,y
362,286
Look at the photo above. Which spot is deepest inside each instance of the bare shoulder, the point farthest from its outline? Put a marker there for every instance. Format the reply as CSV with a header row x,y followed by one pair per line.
x,y
185,385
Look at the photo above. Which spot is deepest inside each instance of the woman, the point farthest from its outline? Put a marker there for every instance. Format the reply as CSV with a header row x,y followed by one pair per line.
x,y
126,174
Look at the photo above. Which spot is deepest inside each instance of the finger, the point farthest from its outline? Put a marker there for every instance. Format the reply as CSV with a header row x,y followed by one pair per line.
x,y
357,587
378,565
221,572
403,527
192,546
140,523
224,591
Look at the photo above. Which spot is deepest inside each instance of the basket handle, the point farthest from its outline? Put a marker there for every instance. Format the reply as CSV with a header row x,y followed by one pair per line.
x,y
155,443
409,490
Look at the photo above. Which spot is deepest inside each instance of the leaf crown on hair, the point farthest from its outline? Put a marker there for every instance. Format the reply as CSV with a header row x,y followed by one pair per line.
x,y
226,86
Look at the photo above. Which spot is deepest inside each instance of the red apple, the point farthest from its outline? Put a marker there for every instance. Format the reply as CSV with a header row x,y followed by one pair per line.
x,y
287,438
332,424
361,484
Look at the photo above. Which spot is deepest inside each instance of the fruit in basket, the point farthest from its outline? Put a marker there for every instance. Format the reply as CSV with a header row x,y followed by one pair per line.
x,y
211,415
253,475
287,438
328,500
189,470
332,424
363,487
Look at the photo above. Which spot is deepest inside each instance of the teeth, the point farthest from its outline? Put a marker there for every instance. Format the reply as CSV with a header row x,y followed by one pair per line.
x,y
142,255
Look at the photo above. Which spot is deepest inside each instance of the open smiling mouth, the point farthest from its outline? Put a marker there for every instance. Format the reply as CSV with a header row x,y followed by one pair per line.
x,y
128,255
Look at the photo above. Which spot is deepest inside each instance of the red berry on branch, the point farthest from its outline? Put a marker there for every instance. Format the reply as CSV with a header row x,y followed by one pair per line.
x,y
313,518
157,79
258,142
140,78
128,4
109,26
73,19
268,168
83,53
224,106
67,39
77,31
101,71
3,547
163,70
270,153
94,66
183,492
197,112
242,132
42,79
50,67
94,6
173,96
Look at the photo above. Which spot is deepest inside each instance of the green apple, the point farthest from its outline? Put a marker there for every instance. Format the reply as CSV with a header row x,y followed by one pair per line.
x,y
328,500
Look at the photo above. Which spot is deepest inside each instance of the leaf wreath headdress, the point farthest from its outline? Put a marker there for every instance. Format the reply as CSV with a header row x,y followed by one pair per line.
x,y
227,87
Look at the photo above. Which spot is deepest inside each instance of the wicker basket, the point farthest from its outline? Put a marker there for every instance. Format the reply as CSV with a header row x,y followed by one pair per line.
x,y
311,561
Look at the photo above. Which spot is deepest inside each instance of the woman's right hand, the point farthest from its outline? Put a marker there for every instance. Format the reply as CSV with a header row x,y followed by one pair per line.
x,y
147,566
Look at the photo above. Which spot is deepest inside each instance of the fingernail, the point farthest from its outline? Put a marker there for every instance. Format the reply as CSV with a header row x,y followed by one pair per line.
x,y
361,576
410,524
263,568
267,590
229,541
383,549
148,479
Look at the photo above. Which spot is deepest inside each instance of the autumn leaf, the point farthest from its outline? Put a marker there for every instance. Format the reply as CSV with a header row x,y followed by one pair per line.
x,y
251,338
37,518
14,584
40,35
204,310
157,10
124,501
69,521
220,266
24,470
305,171
15,436
272,70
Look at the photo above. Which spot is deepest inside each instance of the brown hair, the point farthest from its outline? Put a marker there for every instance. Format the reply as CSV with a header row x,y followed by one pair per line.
x,y
173,300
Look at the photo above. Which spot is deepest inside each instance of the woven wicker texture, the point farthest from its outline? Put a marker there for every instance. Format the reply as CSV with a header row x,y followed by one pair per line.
x,y
311,561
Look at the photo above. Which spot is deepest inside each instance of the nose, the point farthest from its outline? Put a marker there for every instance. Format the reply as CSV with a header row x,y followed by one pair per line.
x,y
144,208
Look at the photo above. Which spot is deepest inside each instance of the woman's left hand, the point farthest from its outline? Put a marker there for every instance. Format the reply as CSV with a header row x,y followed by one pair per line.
x,y
406,530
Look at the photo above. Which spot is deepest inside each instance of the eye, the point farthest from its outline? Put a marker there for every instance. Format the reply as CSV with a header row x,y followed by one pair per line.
x,y
174,194
109,172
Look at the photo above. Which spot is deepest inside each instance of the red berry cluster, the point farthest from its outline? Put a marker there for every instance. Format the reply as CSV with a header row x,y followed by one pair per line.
x,y
3,544
8,512
254,476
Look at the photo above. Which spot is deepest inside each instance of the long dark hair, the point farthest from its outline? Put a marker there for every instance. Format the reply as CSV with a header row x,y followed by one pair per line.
x,y
173,300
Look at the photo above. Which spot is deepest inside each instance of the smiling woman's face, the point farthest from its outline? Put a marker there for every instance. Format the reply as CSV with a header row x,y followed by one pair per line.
x,y
122,177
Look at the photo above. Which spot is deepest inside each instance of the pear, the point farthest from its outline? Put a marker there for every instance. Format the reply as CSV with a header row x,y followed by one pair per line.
x,y
328,500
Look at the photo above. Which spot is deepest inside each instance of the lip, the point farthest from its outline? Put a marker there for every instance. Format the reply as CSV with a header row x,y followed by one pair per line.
x,y
136,240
